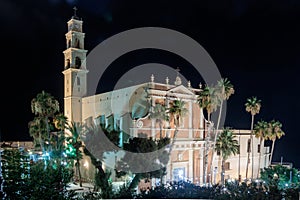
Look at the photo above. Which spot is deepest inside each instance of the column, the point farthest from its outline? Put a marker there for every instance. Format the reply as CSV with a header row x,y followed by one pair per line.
x,y
169,170
201,125
201,165
190,114
191,165
153,124
167,124
133,130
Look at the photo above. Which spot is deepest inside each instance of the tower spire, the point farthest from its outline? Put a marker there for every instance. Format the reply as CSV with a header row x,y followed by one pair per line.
x,y
75,72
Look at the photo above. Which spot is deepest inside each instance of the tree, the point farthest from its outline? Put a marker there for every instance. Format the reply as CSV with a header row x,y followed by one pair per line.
x,y
24,179
75,145
253,106
37,130
49,181
97,139
208,100
163,158
224,90
159,113
227,145
260,131
177,190
144,144
274,132
60,123
15,171
102,182
44,106
281,176
177,111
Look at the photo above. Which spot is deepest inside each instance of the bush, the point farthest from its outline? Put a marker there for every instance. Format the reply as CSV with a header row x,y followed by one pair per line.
x,y
23,179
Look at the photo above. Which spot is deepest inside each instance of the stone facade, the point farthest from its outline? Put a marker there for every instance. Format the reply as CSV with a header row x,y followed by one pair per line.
x,y
128,109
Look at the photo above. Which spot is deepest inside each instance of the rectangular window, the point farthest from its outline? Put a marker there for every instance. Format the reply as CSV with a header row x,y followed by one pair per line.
x,y
180,156
249,146
117,124
218,153
258,148
101,120
109,122
78,81
239,149
227,166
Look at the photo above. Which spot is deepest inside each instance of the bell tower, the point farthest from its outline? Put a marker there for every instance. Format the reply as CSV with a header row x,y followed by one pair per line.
x,y
75,72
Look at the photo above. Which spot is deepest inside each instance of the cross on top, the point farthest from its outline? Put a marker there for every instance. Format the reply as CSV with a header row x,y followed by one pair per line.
x,y
178,70
75,9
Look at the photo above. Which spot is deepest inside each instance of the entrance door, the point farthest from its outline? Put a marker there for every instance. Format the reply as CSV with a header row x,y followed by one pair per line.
x,y
179,174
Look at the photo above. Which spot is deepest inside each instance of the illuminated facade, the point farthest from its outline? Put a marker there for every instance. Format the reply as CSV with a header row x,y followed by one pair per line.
x,y
128,109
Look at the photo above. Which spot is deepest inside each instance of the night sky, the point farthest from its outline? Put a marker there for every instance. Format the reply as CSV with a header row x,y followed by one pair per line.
x,y
255,44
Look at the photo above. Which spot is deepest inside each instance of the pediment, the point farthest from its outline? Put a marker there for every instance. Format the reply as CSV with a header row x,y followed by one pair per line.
x,y
181,90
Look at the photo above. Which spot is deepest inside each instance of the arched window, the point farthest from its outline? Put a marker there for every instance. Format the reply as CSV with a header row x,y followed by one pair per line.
x,y
69,44
77,62
77,43
227,166
67,64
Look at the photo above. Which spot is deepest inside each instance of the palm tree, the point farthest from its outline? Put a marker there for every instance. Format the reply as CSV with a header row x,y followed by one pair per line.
x,y
260,131
227,145
224,90
37,131
253,106
274,132
208,100
177,111
75,145
44,106
159,113
203,101
60,123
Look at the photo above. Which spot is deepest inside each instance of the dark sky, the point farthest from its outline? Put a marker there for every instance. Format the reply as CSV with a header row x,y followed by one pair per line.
x,y
255,44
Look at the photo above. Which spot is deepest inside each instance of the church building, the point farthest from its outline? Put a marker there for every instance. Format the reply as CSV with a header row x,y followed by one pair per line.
x,y
131,112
